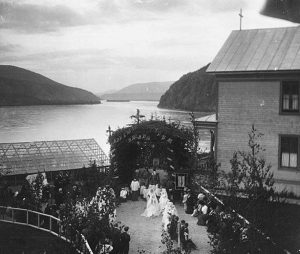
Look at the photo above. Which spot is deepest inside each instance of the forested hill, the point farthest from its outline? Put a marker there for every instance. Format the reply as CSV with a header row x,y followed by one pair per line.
x,y
194,91
23,87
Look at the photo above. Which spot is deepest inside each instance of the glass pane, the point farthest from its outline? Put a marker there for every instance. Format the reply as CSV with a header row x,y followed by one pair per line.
x,y
286,101
285,145
293,160
295,102
293,144
285,159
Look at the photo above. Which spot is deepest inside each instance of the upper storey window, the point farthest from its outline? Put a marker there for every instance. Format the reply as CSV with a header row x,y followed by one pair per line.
x,y
290,96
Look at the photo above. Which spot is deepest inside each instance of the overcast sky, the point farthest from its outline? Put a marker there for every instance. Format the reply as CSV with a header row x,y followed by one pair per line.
x,y
107,44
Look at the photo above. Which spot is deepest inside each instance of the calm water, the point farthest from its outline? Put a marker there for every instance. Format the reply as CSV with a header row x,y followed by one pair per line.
x,y
33,123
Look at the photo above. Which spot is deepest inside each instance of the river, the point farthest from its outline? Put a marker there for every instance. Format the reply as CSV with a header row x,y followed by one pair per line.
x,y
34,123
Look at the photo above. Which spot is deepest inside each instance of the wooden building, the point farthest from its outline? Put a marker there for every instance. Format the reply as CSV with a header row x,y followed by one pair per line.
x,y
258,76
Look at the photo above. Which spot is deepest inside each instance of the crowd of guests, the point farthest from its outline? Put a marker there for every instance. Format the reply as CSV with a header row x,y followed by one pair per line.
x,y
201,207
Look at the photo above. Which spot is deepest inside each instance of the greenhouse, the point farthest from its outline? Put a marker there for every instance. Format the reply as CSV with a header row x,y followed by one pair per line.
x,y
46,156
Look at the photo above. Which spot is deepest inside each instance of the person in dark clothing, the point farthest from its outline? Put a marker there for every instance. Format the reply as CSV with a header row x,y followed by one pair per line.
x,y
189,203
116,239
170,186
124,243
181,232
59,197
173,228
188,245
154,178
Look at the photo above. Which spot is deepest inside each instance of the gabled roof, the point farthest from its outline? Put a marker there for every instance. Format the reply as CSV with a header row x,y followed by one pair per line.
x,y
40,156
259,50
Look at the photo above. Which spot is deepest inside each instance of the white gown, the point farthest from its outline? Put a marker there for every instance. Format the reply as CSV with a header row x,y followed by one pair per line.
x,y
152,208
170,210
163,200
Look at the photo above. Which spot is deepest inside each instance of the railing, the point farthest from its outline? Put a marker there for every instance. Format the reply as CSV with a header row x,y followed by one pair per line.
x,y
41,221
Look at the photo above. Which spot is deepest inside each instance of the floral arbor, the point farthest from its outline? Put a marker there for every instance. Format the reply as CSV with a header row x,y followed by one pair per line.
x,y
136,146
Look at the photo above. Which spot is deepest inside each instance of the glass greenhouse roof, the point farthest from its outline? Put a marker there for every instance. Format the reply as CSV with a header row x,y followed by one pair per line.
x,y
40,156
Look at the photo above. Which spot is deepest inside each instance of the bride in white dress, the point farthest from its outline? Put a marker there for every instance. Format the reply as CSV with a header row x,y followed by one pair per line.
x,y
152,208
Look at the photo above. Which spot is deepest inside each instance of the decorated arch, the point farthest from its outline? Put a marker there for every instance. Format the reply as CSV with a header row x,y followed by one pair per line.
x,y
141,144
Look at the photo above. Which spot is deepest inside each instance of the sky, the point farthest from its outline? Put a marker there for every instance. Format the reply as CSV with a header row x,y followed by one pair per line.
x,y
101,45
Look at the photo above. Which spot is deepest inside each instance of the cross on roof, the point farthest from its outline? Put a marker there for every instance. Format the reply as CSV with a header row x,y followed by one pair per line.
x,y
241,16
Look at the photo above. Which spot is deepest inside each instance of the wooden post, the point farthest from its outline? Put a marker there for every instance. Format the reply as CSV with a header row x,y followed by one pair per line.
x,y
38,220
27,217
178,228
50,223
12,215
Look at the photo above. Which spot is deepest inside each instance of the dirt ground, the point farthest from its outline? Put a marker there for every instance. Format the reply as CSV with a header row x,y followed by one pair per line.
x,y
146,232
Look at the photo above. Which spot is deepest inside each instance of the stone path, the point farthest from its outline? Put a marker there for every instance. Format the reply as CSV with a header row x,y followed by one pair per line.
x,y
146,232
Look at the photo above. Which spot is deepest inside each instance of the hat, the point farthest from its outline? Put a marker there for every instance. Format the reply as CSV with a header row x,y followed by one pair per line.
x,y
201,196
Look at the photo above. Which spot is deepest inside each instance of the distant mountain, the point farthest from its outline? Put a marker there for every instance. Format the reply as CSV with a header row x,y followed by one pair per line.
x,y
106,92
23,87
140,92
194,91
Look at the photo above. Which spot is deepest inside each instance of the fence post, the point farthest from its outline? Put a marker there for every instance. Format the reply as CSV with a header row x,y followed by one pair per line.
x,y
38,220
27,217
12,215
178,229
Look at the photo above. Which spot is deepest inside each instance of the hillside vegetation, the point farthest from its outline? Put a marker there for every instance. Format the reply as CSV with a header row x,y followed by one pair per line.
x,y
23,87
151,91
194,91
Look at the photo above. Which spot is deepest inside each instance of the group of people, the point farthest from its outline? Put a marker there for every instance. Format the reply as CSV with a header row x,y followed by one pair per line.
x,y
141,184
199,207
157,201
118,242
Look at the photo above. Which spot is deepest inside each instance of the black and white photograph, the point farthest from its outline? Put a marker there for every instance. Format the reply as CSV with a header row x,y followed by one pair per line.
x,y
149,126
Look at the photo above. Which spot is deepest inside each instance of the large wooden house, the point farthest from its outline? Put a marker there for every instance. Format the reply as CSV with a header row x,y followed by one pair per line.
x,y
258,76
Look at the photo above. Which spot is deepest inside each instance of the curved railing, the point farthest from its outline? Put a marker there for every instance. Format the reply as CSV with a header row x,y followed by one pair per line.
x,y
40,221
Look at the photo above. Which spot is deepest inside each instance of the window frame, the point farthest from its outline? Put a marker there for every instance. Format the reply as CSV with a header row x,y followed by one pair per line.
x,y
280,167
291,112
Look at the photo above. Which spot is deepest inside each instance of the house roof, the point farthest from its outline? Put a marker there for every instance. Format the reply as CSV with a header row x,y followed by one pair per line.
x,y
40,156
209,118
207,122
259,50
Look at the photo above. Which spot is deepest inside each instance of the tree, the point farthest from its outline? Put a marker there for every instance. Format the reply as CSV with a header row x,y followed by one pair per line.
x,y
249,186
91,217
251,175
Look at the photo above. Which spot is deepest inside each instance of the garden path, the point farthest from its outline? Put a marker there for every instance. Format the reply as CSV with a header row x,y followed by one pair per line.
x,y
146,232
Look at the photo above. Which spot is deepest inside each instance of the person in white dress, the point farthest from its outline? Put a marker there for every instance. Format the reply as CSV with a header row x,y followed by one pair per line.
x,y
163,200
152,208
170,210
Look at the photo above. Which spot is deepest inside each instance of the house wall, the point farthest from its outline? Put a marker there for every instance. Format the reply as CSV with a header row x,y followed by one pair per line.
x,y
243,103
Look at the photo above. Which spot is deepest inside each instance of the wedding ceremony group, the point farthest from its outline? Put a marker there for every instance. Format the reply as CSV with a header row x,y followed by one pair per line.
x,y
158,195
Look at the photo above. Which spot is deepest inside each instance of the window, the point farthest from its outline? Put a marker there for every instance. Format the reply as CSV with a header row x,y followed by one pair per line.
x,y
289,151
290,96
